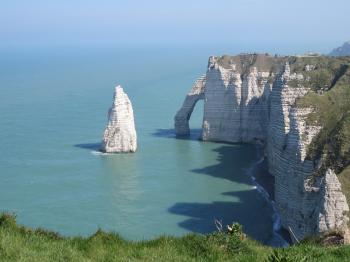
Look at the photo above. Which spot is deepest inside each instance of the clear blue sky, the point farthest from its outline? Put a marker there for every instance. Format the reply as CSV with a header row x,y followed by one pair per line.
x,y
310,24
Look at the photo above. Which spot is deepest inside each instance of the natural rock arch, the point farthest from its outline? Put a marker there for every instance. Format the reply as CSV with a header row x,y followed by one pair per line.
x,y
183,116
253,97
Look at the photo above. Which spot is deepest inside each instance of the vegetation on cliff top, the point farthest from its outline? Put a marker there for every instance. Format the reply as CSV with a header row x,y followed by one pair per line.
x,y
243,62
329,82
18,243
328,79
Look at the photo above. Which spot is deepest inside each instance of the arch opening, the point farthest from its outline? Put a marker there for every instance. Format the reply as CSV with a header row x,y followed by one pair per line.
x,y
183,116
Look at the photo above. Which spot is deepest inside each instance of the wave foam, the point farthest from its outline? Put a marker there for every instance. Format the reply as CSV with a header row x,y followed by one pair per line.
x,y
99,153
277,239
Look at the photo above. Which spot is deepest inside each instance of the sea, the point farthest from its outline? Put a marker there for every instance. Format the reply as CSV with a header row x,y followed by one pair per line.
x,y
53,111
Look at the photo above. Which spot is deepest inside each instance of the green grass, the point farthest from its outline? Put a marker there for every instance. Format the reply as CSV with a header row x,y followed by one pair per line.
x,y
329,85
330,97
18,243
244,62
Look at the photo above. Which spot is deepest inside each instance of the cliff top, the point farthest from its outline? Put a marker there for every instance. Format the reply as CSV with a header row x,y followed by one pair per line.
x,y
328,81
264,62
329,95
268,63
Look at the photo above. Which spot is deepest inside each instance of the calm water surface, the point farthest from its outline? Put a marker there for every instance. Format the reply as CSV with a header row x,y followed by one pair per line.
x,y
53,110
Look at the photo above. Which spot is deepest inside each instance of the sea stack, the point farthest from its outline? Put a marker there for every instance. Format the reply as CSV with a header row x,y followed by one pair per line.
x,y
120,134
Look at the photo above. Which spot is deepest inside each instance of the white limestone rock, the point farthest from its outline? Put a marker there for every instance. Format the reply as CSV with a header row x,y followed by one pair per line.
x,y
120,134
309,68
182,117
235,108
246,101
332,205
303,203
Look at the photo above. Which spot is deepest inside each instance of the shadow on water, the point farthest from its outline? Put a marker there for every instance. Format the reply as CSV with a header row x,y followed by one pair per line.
x,y
247,208
233,162
246,212
196,134
89,146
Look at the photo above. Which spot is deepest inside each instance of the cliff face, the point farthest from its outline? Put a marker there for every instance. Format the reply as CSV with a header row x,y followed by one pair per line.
x,y
120,134
250,98
183,115
236,107
299,196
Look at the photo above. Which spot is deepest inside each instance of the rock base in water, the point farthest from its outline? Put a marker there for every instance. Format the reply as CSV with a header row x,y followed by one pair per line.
x,y
120,134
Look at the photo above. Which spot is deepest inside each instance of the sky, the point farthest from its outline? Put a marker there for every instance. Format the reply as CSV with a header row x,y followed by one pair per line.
x,y
255,24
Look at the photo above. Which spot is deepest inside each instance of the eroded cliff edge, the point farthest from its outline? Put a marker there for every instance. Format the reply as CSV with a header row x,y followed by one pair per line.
x,y
294,106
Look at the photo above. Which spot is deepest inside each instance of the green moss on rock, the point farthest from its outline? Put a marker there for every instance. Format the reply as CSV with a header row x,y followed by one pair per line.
x,y
329,96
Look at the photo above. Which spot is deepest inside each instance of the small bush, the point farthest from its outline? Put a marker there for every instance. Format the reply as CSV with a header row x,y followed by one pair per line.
x,y
281,255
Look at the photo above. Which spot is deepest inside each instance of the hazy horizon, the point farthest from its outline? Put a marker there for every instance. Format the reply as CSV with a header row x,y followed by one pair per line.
x,y
222,26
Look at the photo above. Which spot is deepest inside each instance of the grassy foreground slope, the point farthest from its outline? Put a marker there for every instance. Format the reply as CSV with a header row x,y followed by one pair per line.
x,y
18,243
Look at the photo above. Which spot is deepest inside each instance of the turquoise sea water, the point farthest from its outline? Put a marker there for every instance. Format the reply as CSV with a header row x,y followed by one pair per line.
x,y
53,110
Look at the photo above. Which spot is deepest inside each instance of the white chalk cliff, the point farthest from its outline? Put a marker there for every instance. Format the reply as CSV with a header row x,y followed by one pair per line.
x,y
183,115
251,98
120,134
